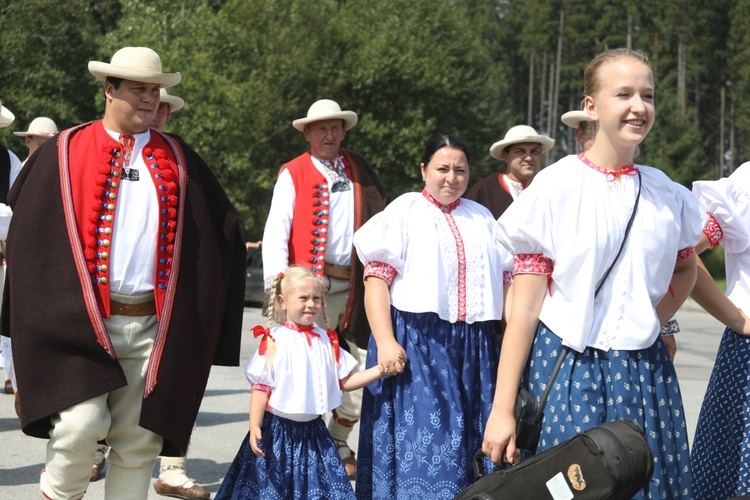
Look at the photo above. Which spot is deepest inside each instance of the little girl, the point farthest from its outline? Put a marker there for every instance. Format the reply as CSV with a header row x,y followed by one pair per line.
x,y
297,374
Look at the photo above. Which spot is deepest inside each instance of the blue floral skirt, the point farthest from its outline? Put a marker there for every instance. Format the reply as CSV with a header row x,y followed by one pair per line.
x,y
419,430
721,452
301,462
597,386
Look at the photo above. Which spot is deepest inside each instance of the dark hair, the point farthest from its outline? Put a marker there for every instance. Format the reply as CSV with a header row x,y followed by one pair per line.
x,y
114,81
441,141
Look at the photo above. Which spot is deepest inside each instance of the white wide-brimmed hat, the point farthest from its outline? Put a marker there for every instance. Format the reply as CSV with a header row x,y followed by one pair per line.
x,y
175,103
326,109
517,135
574,118
139,64
6,117
41,126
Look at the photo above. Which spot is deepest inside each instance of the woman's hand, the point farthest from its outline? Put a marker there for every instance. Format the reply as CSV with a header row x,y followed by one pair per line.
x,y
391,357
743,327
255,437
500,437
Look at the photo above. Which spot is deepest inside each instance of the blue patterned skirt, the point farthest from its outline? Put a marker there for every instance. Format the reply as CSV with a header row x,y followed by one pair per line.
x,y
301,462
721,452
419,430
597,386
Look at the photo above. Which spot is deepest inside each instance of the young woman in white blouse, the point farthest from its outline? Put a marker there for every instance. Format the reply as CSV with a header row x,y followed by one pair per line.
x,y
565,232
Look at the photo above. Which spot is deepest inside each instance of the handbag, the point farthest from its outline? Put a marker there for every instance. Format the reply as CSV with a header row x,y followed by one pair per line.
x,y
610,461
529,412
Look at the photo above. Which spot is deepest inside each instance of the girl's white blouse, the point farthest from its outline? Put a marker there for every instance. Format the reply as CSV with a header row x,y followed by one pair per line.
x,y
303,378
728,200
575,216
417,239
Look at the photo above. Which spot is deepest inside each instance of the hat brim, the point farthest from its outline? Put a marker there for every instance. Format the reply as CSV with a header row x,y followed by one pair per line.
x,y
574,118
496,150
6,117
102,70
32,134
349,117
175,103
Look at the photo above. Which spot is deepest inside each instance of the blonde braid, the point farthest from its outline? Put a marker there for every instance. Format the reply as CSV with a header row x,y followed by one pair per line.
x,y
270,344
325,317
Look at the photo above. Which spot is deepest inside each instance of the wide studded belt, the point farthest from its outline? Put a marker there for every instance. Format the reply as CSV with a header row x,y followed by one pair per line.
x,y
144,309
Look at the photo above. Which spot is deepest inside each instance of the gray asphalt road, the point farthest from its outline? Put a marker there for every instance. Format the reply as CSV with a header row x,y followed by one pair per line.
x,y
222,422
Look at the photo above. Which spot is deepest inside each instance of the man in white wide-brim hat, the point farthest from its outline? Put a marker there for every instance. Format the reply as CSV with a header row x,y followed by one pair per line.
x,y
167,105
521,149
113,341
321,197
40,129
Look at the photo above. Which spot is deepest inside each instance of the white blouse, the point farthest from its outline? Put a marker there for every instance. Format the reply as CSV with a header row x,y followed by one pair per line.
x,y
303,379
576,216
445,261
728,201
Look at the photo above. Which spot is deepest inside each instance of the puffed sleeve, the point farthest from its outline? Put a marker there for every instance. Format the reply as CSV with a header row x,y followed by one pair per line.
x,y
347,364
258,373
727,201
382,239
692,218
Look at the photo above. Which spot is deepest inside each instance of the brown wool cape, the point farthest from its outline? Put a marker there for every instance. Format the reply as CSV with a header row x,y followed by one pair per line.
x,y
57,358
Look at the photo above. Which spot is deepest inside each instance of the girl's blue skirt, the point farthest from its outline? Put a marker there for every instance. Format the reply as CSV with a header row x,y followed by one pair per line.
x,y
595,386
301,462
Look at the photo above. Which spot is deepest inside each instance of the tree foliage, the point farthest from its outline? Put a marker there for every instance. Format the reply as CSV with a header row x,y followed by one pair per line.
x,y
409,68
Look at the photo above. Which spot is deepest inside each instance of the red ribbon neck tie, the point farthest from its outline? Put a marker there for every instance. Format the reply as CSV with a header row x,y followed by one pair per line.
x,y
611,174
307,330
128,143
259,331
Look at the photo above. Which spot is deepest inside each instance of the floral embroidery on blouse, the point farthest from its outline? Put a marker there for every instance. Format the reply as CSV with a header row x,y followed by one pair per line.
x,y
262,387
611,174
532,263
685,253
381,270
713,230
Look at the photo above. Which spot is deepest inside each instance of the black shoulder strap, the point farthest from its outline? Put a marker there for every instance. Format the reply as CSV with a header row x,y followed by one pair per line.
x,y
4,174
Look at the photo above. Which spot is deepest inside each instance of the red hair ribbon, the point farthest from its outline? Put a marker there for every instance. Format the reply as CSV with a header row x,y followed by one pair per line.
x,y
259,331
334,338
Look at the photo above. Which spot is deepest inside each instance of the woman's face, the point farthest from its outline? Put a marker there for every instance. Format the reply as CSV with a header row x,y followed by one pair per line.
x,y
446,176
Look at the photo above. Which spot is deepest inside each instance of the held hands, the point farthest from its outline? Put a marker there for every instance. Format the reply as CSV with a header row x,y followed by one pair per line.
x,y
500,437
254,438
391,358
744,326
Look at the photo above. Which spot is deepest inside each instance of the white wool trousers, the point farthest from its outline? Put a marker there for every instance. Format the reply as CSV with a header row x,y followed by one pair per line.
x,y
113,416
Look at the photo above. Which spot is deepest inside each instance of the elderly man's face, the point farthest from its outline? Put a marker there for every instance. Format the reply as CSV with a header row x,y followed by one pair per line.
x,y
131,107
523,161
325,138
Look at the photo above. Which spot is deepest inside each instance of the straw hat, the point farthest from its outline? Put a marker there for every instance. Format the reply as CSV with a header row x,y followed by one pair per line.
x,y
175,103
517,135
326,109
139,64
574,118
41,126
6,117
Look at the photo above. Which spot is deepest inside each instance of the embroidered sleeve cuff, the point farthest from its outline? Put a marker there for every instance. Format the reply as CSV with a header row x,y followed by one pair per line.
x,y
685,253
262,387
532,263
507,277
713,231
670,328
381,270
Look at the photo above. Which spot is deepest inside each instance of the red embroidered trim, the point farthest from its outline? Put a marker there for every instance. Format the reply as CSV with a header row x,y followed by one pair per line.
x,y
611,174
713,230
532,263
262,388
685,253
507,277
381,270
307,330
460,251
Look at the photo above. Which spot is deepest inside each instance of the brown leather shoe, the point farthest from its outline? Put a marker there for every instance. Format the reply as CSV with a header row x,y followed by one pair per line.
x,y
8,389
96,470
195,492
